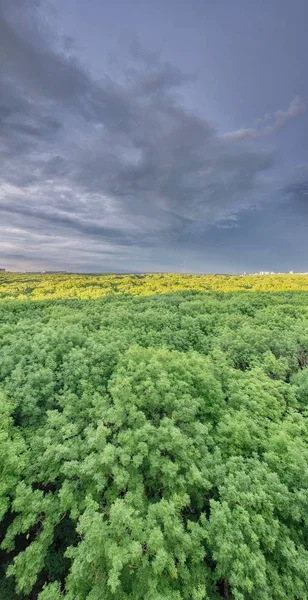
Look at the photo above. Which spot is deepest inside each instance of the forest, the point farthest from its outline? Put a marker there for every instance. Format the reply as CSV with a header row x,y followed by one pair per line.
x,y
57,286
153,437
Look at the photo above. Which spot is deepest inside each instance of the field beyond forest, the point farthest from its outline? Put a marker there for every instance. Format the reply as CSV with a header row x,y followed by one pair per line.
x,y
153,437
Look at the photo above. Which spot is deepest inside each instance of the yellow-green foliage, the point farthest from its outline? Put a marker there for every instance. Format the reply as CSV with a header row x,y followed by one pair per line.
x,y
56,286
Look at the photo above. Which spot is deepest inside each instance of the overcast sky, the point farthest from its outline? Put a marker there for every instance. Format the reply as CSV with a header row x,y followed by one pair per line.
x,y
154,135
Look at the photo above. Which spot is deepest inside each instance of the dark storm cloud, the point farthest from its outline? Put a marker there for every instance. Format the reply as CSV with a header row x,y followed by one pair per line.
x,y
120,161
55,221
49,74
297,196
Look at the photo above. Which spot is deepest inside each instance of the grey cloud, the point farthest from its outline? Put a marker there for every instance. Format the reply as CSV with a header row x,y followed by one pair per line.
x,y
274,122
24,124
49,74
39,219
120,161
298,189
297,196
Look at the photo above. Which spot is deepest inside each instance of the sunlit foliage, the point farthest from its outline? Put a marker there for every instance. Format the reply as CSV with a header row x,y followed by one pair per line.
x,y
153,448
59,286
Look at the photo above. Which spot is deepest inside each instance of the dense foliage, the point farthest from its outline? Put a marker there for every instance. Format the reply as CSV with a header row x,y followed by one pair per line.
x,y
154,448
59,286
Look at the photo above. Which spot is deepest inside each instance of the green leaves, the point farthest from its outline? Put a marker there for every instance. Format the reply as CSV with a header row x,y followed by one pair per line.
x,y
12,450
154,448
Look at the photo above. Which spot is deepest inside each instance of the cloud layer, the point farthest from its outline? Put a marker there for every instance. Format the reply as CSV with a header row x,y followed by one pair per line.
x,y
269,124
99,172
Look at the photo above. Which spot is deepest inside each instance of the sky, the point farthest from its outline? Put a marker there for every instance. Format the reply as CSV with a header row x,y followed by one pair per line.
x,y
154,135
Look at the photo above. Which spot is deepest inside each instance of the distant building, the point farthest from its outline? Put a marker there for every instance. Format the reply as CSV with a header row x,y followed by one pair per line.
x,y
53,272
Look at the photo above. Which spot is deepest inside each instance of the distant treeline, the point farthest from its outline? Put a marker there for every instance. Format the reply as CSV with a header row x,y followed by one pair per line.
x,y
60,286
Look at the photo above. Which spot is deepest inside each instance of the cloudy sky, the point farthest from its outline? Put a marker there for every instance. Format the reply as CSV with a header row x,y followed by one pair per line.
x,y
154,135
